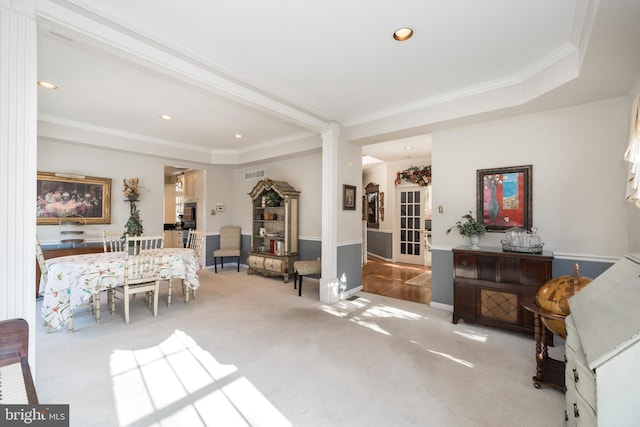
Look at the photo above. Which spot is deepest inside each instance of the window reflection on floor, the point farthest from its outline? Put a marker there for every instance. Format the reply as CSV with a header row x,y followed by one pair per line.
x,y
178,383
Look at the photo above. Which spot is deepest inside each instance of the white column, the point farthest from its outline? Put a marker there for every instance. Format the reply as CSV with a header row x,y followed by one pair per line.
x,y
18,162
329,282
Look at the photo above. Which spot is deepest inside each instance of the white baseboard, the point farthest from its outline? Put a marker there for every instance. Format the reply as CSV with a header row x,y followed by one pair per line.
x,y
440,306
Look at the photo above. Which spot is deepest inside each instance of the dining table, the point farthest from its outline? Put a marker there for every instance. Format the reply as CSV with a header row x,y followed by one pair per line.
x,y
74,279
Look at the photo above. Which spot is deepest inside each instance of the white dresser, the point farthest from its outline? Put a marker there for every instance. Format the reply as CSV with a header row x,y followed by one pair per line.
x,y
603,349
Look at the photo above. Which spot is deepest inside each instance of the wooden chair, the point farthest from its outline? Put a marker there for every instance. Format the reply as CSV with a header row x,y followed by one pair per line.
x,y
138,244
195,240
16,381
141,272
230,245
112,241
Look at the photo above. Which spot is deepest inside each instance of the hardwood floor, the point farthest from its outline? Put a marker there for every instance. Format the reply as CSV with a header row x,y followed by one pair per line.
x,y
388,279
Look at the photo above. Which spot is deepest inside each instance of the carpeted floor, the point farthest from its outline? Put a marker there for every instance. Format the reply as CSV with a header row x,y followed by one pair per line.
x,y
249,351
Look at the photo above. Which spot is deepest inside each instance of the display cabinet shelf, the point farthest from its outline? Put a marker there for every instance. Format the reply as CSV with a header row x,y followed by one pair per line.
x,y
274,238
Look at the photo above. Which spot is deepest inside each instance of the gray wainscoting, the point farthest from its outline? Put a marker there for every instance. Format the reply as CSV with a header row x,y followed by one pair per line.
x,y
350,264
442,276
307,249
380,244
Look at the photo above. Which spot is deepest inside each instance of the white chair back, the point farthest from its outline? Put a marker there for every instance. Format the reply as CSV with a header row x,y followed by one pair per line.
x,y
41,263
195,239
138,244
113,241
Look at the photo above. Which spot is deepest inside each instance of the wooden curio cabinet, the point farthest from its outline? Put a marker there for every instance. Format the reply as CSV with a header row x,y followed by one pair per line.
x,y
274,236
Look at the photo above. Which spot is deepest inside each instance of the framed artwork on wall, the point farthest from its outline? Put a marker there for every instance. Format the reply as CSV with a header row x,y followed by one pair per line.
x,y
349,197
61,194
504,197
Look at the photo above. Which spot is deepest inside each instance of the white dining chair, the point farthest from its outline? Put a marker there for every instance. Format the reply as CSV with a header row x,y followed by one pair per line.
x,y
195,240
141,273
113,240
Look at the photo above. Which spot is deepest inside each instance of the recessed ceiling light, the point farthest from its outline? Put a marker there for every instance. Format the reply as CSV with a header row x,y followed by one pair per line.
x,y
166,117
408,147
47,85
238,136
402,34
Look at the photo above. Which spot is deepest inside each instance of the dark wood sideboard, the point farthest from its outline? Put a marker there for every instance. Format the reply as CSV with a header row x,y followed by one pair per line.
x,y
54,253
489,286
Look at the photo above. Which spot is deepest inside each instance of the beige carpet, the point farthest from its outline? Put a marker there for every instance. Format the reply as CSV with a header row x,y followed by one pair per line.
x,y
249,351
423,279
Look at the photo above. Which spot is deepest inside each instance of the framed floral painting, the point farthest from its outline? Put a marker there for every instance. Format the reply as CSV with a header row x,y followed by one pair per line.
x,y
504,197
61,195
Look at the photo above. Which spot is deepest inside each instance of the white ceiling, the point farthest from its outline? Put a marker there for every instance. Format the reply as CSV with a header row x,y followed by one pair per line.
x,y
281,72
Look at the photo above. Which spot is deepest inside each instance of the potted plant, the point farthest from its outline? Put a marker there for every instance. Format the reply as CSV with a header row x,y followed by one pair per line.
x,y
272,198
467,226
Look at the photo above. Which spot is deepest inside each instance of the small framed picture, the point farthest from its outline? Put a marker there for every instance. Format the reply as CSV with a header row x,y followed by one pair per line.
x,y
349,197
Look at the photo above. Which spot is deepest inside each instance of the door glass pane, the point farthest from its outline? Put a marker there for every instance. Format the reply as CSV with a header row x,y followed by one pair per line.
x,y
409,215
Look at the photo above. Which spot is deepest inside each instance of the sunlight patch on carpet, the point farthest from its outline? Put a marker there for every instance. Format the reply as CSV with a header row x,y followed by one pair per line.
x,y
177,382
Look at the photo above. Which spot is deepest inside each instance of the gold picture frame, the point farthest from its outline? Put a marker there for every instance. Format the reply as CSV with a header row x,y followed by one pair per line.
x,y
60,194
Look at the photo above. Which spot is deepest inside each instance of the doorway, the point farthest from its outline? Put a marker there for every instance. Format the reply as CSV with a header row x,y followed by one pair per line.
x,y
412,225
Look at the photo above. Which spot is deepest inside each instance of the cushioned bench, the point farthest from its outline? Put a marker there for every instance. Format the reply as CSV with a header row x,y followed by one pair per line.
x,y
305,268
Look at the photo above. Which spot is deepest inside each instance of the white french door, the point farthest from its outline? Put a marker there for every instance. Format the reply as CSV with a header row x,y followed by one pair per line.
x,y
410,243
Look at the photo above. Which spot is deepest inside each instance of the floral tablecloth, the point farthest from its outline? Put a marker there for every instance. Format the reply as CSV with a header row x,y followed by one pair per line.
x,y
73,279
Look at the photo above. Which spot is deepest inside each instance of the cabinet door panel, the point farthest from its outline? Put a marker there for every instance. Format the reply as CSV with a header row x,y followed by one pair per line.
x,y
464,299
509,270
499,305
486,268
535,272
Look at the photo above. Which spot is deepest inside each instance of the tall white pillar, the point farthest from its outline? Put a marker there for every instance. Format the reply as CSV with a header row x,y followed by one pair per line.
x,y
329,282
18,162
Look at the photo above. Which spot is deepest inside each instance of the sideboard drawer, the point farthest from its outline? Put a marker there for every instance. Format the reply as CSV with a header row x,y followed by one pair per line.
x,y
465,266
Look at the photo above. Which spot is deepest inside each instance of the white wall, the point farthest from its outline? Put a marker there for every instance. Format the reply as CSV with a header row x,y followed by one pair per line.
x,y
302,173
82,160
578,178
90,161
350,173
